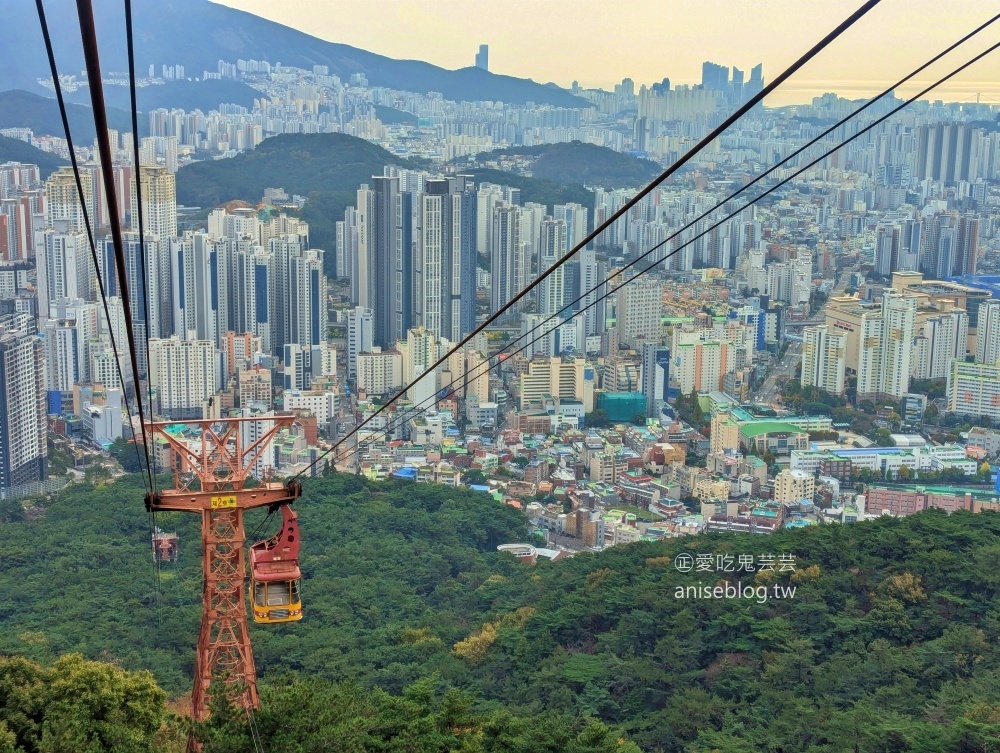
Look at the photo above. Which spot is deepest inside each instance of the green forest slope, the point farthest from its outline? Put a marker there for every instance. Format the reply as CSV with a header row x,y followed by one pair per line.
x,y
15,150
888,644
589,164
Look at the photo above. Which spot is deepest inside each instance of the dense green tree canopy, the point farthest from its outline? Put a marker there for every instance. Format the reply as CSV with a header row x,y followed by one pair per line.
x,y
417,629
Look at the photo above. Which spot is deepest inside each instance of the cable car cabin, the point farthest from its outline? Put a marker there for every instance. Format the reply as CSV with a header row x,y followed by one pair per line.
x,y
274,574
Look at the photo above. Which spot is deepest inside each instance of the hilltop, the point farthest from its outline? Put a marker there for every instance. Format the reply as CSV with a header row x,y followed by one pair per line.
x,y
15,150
577,162
197,34
889,641
299,163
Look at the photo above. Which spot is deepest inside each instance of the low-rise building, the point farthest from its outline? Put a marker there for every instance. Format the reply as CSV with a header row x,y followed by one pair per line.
x,y
794,486
907,500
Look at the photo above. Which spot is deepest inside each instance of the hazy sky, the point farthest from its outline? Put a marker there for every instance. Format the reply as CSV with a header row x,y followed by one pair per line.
x,y
599,42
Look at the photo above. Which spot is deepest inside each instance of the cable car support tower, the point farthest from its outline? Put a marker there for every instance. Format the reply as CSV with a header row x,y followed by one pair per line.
x,y
211,474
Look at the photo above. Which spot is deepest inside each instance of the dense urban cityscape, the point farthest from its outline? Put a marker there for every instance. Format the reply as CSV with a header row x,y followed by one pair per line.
x,y
871,267
798,329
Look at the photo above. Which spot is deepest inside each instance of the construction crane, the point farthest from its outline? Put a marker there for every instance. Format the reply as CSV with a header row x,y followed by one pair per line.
x,y
215,466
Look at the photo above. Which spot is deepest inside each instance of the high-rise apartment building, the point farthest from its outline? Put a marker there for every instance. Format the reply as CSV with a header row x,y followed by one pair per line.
x,y
823,359
64,266
444,263
639,312
420,350
552,246
899,316
380,371
159,202
183,375
988,333
23,437
702,365
63,199
655,376
381,261
510,256
360,336
591,287
940,338
885,347
973,389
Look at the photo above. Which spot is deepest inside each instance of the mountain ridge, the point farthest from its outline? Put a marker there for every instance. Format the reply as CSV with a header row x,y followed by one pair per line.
x,y
165,35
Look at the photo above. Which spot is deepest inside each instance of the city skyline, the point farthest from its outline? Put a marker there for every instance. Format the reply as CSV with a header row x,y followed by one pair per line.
x,y
869,57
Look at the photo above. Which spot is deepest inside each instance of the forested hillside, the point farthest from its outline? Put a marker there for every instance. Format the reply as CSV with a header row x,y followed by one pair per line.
x,y
21,109
589,164
888,644
15,150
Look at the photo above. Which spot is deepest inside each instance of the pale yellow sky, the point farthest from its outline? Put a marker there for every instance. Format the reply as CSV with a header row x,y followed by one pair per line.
x,y
599,42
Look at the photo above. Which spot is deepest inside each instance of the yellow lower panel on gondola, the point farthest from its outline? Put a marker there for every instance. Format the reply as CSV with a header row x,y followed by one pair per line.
x,y
275,601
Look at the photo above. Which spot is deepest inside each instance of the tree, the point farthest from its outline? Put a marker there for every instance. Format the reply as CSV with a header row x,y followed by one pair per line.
x,y
125,453
883,438
79,705
520,461
597,418
639,419
474,477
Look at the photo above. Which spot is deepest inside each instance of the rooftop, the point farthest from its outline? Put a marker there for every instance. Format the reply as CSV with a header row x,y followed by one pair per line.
x,y
755,429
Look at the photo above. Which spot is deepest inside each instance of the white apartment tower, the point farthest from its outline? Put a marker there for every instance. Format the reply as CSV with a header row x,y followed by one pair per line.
x,y
552,246
899,317
639,312
988,333
360,336
183,374
23,434
823,359
885,347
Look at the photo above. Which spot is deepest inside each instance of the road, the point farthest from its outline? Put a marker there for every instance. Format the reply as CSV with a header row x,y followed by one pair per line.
x,y
788,366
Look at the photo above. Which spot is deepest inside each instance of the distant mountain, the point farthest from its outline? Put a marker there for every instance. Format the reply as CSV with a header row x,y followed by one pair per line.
x,y
299,163
15,150
576,162
187,95
21,109
198,33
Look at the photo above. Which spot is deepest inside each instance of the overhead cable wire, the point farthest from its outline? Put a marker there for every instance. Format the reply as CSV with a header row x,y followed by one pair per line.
x,y
90,231
88,35
727,218
730,197
137,170
679,163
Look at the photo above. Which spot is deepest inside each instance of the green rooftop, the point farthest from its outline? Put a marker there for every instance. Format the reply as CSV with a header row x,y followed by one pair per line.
x,y
756,428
